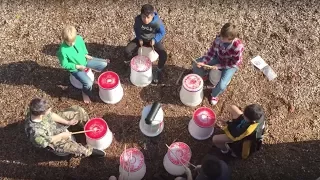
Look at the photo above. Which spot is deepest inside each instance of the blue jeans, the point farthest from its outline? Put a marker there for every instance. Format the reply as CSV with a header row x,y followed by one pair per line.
x,y
226,75
95,64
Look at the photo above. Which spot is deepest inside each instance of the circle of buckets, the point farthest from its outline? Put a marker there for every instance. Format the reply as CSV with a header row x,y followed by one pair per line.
x,y
132,165
148,52
141,71
191,93
156,126
110,89
214,76
76,83
201,125
172,164
102,137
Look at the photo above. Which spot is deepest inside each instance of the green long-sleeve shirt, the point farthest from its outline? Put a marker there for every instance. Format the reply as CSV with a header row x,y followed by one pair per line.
x,y
70,56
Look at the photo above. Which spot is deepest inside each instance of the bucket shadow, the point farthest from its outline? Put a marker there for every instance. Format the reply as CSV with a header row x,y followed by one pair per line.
x,y
54,81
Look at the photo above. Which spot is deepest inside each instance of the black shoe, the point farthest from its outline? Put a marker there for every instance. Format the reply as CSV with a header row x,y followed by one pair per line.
x,y
98,153
157,77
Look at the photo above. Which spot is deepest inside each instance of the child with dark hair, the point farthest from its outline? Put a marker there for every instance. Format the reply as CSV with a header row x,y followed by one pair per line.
x,y
49,130
149,31
211,168
225,55
247,125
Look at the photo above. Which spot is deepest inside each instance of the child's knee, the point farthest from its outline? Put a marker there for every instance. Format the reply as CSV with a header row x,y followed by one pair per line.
x,y
87,84
112,178
222,85
215,139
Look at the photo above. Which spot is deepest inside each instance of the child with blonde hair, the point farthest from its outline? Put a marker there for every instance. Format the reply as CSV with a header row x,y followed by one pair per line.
x,y
73,56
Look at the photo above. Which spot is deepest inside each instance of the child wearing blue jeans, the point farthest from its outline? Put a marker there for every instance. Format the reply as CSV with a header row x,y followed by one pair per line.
x,y
225,55
73,56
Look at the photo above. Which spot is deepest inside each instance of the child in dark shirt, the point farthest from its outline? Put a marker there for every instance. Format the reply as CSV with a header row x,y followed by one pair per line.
x,y
149,31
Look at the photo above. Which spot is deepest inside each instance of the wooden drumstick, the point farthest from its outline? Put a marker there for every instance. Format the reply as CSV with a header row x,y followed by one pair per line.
x,y
202,65
79,132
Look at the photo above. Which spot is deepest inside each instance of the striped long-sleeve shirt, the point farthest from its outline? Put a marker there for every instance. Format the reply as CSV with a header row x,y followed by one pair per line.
x,y
228,57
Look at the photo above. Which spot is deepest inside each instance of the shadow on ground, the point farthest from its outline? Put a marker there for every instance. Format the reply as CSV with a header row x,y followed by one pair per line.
x,y
19,159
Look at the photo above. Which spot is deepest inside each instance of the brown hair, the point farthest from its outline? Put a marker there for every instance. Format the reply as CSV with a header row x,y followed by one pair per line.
x,y
229,31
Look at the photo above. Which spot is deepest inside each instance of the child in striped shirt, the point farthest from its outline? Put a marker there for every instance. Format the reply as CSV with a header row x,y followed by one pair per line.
x,y
225,55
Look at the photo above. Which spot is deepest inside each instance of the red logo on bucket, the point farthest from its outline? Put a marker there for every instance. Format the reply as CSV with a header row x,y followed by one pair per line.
x,y
140,63
192,82
204,117
98,126
182,151
132,159
108,80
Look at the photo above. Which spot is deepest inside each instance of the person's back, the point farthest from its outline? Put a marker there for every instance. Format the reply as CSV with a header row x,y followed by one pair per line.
x,y
213,169
244,126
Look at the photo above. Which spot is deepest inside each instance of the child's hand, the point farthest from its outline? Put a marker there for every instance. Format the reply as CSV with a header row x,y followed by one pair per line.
x,y
89,57
200,64
213,67
65,135
140,42
188,171
80,67
152,42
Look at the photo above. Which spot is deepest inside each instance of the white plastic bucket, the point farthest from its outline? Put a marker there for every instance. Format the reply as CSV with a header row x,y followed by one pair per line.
x,y
191,93
149,52
100,139
201,125
141,71
173,165
110,89
214,76
76,83
157,125
132,165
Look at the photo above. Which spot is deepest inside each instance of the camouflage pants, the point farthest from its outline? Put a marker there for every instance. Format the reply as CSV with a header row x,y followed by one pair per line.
x,y
72,147
69,145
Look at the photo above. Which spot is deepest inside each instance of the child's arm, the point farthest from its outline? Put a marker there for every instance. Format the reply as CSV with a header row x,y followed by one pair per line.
x,y
56,118
209,54
64,61
160,32
236,55
137,28
235,111
83,45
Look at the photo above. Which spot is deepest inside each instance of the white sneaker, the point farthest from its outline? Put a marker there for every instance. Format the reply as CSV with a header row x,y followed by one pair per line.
x,y
214,100
224,151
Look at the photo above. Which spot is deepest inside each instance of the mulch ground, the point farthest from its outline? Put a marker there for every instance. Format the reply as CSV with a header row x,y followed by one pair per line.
x,y
284,33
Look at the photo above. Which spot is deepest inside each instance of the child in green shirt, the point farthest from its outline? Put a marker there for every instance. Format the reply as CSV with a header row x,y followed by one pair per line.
x,y
73,56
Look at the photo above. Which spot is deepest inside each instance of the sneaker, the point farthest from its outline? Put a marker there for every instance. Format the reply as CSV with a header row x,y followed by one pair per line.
x,y
233,155
224,151
127,62
98,153
214,100
157,76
